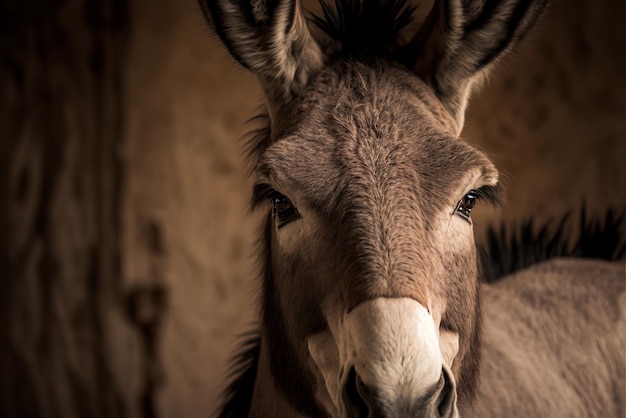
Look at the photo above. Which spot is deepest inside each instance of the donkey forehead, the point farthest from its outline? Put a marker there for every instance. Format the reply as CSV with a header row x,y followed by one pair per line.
x,y
373,128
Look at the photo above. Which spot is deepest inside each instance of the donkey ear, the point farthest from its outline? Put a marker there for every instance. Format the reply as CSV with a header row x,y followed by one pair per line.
x,y
461,39
271,39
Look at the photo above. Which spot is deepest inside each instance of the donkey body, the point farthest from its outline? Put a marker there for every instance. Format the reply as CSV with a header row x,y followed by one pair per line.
x,y
553,342
371,300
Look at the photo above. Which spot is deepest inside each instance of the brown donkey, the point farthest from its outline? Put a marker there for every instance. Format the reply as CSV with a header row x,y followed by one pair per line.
x,y
371,300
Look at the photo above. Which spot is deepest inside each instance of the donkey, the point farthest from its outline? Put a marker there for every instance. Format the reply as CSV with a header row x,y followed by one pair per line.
x,y
372,303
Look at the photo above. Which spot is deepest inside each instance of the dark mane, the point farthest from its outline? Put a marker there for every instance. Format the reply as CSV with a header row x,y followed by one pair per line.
x,y
509,248
256,141
364,28
237,396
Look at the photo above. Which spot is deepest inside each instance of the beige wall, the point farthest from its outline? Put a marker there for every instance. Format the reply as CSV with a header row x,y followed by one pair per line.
x,y
552,118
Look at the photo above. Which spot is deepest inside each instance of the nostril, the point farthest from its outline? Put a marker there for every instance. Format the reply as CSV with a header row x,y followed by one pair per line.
x,y
363,401
447,395
355,395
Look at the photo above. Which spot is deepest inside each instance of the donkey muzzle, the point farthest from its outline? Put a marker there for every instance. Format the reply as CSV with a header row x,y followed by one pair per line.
x,y
383,359
362,401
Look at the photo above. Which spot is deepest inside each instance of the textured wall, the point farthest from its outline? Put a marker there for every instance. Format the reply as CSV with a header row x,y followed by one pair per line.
x,y
62,304
552,117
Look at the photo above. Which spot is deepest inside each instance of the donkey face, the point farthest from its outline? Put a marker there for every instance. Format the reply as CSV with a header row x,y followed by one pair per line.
x,y
372,252
370,294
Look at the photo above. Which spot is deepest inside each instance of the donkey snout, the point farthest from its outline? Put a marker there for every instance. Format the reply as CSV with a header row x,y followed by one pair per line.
x,y
363,401
383,359
394,366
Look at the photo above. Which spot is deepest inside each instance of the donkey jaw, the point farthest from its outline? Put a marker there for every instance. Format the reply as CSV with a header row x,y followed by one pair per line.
x,y
384,358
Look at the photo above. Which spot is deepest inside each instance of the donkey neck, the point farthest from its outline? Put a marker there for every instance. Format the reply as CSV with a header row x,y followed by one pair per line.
x,y
267,401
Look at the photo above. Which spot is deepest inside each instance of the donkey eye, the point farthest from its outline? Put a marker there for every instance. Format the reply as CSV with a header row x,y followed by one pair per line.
x,y
465,205
283,209
280,203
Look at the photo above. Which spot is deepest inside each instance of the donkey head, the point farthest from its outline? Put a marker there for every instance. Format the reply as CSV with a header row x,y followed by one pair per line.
x,y
370,289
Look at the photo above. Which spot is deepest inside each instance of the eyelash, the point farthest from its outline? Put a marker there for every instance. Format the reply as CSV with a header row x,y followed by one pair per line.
x,y
491,194
466,204
282,208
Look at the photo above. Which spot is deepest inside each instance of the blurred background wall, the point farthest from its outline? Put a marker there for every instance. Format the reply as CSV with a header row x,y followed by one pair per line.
x,y
125,263
62,297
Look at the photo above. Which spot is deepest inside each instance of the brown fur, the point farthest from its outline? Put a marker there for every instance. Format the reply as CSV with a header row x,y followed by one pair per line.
x,y
366,148
576,368
372,191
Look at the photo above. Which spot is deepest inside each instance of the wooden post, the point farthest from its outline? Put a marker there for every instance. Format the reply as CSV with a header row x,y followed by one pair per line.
x,y
61,119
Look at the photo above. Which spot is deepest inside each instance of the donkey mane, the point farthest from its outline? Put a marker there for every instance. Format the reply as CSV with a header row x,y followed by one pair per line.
x,y
256,141
243,368
364,28
508,248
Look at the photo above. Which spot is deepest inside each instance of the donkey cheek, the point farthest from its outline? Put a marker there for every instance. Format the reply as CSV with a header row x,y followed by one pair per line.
x,y
449,346
324,365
